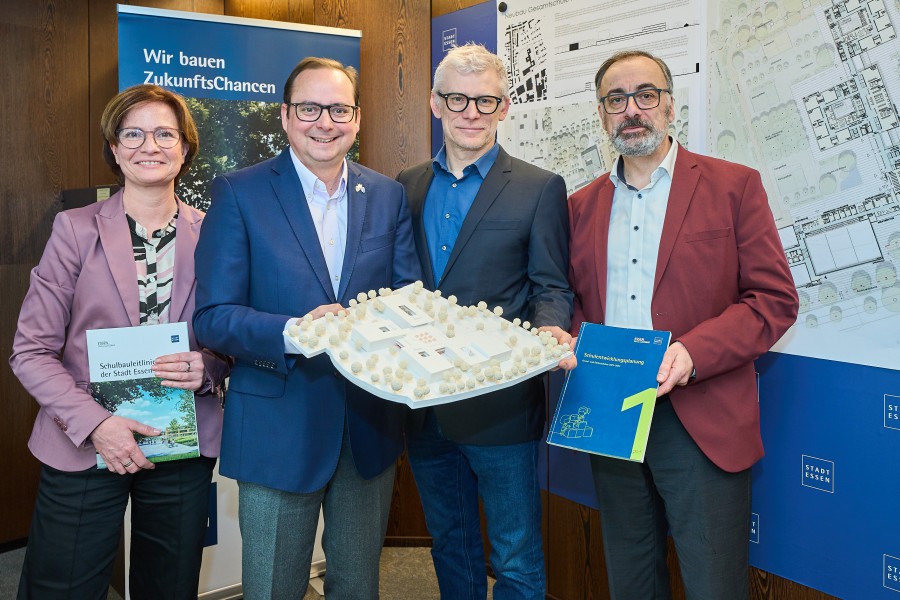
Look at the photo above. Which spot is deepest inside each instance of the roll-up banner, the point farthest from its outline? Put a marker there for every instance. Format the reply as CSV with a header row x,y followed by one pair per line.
x,y
231,72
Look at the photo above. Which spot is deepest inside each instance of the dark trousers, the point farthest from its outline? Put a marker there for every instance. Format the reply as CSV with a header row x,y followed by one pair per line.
x,y
677,488
77,524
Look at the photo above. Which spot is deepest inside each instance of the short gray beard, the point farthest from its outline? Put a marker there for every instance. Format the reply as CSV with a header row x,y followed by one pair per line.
x,y
639,145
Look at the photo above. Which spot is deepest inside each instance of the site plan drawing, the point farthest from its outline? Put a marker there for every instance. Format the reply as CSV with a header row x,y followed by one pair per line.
x,y
818,82
552,51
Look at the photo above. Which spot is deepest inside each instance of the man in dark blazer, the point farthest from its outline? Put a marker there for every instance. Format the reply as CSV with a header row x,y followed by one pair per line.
x,y
487,227
676,241
301,233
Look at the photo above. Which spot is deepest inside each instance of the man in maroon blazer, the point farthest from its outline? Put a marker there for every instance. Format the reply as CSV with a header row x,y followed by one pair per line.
x,y
680,242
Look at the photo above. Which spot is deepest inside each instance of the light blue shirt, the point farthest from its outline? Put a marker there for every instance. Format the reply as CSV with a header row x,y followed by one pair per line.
x,y
319,201
635,227
448,202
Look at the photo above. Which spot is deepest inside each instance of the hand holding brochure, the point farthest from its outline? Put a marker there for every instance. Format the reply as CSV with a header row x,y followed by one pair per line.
x,y
122,381
607,402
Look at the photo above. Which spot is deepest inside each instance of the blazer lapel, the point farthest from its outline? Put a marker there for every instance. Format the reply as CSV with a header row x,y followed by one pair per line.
x,y
187,231
357,209
291,196
684,182
491,187
416,194
118,250
601,239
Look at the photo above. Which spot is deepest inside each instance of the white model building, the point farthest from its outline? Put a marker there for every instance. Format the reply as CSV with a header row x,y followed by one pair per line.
x,y
414,346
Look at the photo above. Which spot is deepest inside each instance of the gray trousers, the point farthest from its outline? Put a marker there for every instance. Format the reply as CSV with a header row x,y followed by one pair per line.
x,y
676,489
278,532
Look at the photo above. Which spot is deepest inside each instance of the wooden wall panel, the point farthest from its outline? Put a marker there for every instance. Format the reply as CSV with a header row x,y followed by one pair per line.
x,y
442,7
395,63
43,120
104,81
290,11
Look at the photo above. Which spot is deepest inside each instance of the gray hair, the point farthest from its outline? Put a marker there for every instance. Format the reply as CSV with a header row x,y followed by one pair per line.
x,y
471,58
630,54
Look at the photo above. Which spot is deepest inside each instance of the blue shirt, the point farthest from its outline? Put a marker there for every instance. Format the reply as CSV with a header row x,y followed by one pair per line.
x,y
635,228
448,202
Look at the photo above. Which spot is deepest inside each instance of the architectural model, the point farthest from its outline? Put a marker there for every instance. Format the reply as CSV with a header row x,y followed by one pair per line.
x,y
416,347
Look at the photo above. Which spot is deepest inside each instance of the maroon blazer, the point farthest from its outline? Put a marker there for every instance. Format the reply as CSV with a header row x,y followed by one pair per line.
x,y
86,279
722,287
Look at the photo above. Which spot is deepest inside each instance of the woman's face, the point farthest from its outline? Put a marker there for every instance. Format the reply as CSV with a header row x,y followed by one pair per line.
x,y
149,165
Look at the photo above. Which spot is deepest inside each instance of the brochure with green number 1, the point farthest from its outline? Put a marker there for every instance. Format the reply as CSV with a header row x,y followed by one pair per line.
x,y
122,381
607,401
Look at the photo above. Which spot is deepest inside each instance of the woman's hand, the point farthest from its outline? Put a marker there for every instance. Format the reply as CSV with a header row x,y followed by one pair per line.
x,y
114,440
182,370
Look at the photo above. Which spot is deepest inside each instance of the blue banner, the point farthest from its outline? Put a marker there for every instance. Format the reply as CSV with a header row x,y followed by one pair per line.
x,y
226,58
231,72
825,495
477,24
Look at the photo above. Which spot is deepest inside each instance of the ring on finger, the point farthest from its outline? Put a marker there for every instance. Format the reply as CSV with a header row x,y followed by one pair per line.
x,y
188,368
128,464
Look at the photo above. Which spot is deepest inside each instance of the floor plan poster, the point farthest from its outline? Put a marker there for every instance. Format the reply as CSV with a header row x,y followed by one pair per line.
x,y
553,49
807,92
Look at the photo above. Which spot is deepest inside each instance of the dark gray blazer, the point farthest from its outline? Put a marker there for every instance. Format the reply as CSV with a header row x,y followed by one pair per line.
x,y
512,251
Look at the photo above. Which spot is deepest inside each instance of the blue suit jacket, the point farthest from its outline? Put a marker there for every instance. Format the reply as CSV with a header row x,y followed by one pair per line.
x,y
258,264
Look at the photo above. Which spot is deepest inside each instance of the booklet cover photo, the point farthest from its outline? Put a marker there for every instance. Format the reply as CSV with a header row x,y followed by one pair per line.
x,y
122,381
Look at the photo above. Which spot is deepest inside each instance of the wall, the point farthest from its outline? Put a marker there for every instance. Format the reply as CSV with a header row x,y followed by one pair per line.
x,y
57,73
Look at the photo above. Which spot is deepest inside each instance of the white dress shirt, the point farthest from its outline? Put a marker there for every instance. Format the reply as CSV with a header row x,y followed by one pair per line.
x,y
329,214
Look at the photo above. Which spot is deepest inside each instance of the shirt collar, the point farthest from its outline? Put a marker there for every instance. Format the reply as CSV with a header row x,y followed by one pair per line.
x,y
483,164
145,234
617,173
308,179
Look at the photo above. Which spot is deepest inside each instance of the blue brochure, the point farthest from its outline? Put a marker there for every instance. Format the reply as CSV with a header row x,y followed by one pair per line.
x,y
607,401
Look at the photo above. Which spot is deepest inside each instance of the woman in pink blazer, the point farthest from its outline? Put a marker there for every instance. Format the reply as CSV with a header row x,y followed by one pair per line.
x,y
127,261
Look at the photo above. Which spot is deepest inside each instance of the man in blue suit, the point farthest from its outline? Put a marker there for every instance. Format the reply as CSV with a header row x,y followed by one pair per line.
x,y
300,233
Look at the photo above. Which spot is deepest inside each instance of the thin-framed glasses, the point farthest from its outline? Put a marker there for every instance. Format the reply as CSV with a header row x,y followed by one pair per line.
x,y
310,111
645,99
486,105
133,137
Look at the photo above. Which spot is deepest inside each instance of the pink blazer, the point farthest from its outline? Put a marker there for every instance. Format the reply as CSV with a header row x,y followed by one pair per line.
x,y
86,279
722,287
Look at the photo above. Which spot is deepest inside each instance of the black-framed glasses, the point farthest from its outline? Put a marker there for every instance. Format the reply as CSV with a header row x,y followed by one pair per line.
x,y
310,111
486,105
645,99
133,137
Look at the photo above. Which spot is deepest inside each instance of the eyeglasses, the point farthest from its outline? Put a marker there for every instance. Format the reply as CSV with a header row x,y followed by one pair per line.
x,y
310,111
133,137
486,105
644,99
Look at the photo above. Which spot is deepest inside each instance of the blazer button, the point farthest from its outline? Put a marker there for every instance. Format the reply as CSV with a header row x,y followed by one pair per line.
x,y
65,428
